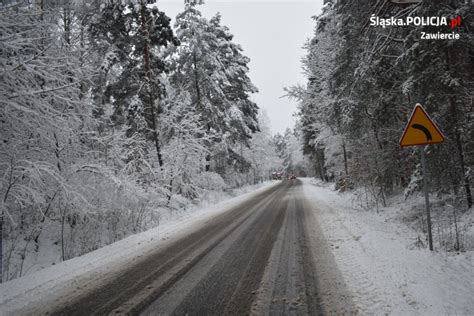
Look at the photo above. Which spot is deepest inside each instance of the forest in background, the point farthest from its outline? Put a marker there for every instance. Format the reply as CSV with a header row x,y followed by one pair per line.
x,y
112,117
362,84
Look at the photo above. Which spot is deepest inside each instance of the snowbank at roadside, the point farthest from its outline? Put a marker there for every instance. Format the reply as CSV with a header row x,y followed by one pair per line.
x,y
383,270
76,275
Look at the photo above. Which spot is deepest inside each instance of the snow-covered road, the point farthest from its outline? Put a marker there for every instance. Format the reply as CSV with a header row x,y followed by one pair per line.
x,y
256,256
40,291
292,247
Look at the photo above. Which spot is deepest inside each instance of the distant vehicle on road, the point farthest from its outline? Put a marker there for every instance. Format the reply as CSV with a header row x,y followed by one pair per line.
x,y
277,175
293,177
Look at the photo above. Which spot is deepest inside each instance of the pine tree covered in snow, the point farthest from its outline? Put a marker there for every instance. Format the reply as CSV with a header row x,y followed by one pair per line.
x,y
213,70
136,35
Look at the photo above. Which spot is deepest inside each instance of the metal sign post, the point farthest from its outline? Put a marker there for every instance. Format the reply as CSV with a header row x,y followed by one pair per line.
x,y
427,198
421,131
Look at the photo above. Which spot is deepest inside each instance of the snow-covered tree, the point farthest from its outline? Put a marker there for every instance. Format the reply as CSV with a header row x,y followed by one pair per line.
x,y
262,152
135,35
214,72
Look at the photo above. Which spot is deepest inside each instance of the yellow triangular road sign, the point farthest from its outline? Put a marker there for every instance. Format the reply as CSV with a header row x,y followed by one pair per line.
x,y
421,130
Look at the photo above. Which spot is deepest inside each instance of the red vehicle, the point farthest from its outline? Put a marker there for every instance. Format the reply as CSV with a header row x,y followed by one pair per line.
x,y
277,175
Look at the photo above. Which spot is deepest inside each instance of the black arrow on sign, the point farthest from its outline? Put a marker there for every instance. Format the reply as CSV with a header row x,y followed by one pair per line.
x,y
424,130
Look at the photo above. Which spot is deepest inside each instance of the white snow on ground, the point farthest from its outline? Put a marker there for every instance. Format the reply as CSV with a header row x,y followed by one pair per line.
x,y
44,287
380,266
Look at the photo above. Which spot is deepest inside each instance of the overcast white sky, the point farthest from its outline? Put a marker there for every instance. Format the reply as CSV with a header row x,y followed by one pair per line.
x,y
272,34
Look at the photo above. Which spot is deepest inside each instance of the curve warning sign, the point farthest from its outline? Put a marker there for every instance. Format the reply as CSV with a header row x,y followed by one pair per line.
x,y
421,130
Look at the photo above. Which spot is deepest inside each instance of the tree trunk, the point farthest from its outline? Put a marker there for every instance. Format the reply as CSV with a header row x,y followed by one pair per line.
x,y
82,87
454,112
11,181
67,23
63,215
322,170
345,157
196,81
146,58
465,177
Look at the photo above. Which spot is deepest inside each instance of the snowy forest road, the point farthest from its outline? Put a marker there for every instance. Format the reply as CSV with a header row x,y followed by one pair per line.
x,y
261,257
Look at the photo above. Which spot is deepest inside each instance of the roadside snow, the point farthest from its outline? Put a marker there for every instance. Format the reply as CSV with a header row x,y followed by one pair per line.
x,y
383,270
43,288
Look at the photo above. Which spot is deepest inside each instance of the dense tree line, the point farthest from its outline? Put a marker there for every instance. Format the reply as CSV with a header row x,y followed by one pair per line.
x,y
288,149
363,82
110,117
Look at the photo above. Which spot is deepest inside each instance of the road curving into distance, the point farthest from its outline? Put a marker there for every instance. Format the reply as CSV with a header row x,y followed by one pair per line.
x,y
264,256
